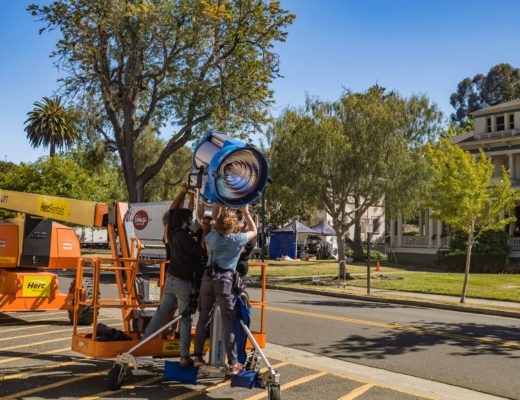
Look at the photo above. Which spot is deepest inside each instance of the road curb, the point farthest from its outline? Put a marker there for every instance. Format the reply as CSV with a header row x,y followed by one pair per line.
x,y
451,307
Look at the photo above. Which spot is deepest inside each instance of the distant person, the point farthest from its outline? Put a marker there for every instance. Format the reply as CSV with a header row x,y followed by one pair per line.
x,y
224,247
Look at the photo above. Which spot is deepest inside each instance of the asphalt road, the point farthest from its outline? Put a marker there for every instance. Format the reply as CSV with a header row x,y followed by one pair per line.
x,y
467,350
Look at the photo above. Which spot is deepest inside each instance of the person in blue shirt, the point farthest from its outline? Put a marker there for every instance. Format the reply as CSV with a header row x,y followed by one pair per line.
x,y
224,248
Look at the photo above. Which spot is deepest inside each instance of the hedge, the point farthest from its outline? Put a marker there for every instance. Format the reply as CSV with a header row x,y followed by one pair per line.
x,y
480,262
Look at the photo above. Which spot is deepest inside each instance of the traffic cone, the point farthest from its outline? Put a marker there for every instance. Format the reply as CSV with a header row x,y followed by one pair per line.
x,y
378,268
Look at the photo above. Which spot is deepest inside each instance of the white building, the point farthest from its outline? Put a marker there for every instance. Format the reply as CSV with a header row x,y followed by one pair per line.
x,y
497,132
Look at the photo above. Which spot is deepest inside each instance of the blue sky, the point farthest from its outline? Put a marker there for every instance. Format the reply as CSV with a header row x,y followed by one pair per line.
x,y
412,46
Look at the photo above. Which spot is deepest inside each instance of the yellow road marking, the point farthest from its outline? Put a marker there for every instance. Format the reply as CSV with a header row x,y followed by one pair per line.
x,y
36,314
196,393
423,331
35,371
353,378
357,392
48,332
22,321
25,328
54,385
123,388
35,355
289,385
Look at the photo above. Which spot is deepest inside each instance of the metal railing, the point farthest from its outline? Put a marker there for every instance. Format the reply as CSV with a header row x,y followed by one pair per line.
x,y
514,243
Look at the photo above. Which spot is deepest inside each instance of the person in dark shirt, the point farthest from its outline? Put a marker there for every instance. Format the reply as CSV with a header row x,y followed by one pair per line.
x,y
183,274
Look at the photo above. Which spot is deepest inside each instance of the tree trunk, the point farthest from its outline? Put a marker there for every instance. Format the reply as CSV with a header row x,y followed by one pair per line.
x,y
358,244
52,151
466,272
343,272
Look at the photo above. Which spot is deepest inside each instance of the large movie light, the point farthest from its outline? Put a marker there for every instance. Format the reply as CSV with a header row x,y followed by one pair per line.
x,y
230,171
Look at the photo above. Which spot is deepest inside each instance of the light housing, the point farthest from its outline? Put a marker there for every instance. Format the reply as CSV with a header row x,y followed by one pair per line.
x,y
228,171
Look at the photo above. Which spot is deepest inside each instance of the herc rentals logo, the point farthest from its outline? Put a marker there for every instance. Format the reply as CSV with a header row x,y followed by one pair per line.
x,y
53,208
140,220
36,286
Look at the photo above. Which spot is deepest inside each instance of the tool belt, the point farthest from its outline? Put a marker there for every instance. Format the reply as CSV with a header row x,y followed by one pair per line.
x,y
212,269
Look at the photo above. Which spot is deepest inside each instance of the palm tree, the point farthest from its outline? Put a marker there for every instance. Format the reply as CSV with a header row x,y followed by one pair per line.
x,y
51,124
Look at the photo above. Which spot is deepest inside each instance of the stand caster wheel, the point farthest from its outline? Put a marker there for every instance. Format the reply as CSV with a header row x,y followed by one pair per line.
x,y
273,392
116,376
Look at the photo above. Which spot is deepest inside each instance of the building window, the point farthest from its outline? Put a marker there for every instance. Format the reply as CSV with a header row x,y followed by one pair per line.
x,y
489,124
500,123
376,224
511,121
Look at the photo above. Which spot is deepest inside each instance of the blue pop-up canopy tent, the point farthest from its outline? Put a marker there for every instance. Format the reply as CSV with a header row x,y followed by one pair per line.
x,y
284,240
324,229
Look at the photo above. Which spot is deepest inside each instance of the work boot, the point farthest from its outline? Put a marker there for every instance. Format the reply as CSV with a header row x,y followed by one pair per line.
x,y
186,362
199,362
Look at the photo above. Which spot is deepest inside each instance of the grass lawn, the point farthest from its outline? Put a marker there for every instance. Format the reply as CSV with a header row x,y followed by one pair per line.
x,y
485,286
311,268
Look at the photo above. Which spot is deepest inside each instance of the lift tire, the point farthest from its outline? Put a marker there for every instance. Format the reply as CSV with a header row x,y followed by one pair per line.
x,y
116,376
85,313
273,392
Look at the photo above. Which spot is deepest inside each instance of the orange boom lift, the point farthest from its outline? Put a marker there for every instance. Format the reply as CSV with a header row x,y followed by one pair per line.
x,y
33,244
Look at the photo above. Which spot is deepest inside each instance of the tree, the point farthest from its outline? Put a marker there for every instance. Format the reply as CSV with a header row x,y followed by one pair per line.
x,y
51,124
464,196
166,184
188,64
329,154
64,176
455,129
500,84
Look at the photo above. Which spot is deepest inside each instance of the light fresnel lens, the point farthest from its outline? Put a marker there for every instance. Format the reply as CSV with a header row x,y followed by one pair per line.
x,y
241,176
230,171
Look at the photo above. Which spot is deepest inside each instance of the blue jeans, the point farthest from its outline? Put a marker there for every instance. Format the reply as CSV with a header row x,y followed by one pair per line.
x,y
175,293
217,289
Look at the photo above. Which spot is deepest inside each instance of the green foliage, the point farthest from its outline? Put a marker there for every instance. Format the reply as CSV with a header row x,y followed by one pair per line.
x,y
361,146
375,255
455,129
62,176
489,262
51,124
462,193
500,84
166,184
488,242
166,63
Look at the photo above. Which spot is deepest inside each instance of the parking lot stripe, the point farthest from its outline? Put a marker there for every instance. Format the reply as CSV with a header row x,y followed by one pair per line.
x,y
36,314
421,331
37,370
54,385
25,328
357,392
123,388
196,393
290,384
34,355
49,332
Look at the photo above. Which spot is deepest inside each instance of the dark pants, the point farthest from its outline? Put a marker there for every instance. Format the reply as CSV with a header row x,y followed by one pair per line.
x,y
217,289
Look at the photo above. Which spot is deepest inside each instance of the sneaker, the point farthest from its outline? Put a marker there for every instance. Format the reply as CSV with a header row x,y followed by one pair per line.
x,y
234,369
199,362
186,362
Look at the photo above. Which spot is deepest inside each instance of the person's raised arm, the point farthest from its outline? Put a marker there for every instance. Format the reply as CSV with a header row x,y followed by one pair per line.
x,y
217,209
177,202
251,226
191,203
200,215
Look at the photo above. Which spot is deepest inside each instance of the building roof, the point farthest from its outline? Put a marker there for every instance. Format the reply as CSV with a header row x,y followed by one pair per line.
x,y
467,136
511,104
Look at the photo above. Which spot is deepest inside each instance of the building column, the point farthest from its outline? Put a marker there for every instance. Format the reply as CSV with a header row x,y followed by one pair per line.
x,y
392,232
399,230
511,166
430,229
421,223
501,216
439,233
